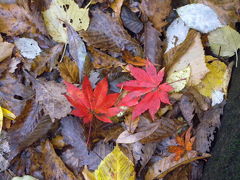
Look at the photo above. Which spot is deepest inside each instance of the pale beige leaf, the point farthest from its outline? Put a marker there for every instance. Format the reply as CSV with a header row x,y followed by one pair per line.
x,y
5,50
195,58
167,164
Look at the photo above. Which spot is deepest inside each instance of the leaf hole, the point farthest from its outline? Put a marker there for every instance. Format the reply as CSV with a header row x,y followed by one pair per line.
x,y
18,97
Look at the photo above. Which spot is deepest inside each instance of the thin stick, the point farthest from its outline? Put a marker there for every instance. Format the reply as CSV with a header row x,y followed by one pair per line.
x,y
64,50
89,133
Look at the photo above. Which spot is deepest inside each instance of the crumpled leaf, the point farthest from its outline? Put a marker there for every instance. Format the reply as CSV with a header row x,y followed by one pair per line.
x,y
164,166
49,94
214,80
61,11
69,70
26,177
15,20
115,165
195,58
227,10
103,60
179,79
5,50
53,166
130,20
28,47
47,60
78,155
176,33
224,41
199,17
77,49
106,33
157,11
206,129
152,44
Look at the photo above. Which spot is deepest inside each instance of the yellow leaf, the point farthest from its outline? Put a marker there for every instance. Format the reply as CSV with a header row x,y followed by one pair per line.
x,y
1,119
8,114
161,168
88,175
179,79
65,11
115,166
214,80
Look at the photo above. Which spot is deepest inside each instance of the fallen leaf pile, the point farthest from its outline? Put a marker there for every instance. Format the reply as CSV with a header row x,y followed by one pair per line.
x,y
115,89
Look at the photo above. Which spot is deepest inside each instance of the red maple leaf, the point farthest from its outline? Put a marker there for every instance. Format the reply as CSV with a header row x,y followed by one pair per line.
x,y
146,92
89,103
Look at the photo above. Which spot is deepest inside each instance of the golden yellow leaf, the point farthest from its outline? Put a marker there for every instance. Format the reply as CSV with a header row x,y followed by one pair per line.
x,y
1,119
88,175
65,11
214,80
161,168
115,166
5,113
179,79
69,70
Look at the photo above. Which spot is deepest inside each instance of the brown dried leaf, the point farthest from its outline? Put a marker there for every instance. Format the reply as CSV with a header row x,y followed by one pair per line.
x,y
35,126
49,94
152,44
15,20
187,108
5,50
103,60
164,166
116,6
157,11
53,166
47,60
106,33
69,70
228,10
131,125
134,60
208,124
180,173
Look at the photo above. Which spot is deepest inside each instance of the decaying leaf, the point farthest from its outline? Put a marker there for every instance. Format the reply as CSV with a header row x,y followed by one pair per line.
x,y
106,33
196,16
47,60
5,50
53,166
49,95
152,44
116,6
176,33
130,20
65,11
115,166
206,129
179,79
195,58
214,79
15,20
69,70
166,165
224,41
28,47
103,60
157,11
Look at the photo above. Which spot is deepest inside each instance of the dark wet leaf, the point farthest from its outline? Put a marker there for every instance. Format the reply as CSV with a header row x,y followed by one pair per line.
x,y
106,33
130,20
53,166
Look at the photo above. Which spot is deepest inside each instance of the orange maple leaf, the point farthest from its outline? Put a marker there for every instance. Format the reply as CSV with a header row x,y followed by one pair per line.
x,y
184,144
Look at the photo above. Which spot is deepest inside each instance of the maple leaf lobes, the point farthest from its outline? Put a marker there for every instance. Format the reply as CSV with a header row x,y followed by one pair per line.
x,y
89,103
146,92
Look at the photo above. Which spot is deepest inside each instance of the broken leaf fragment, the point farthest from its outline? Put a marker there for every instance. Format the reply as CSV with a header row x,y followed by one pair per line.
x,y
199,17
115,165
26,177
179,79
61,11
